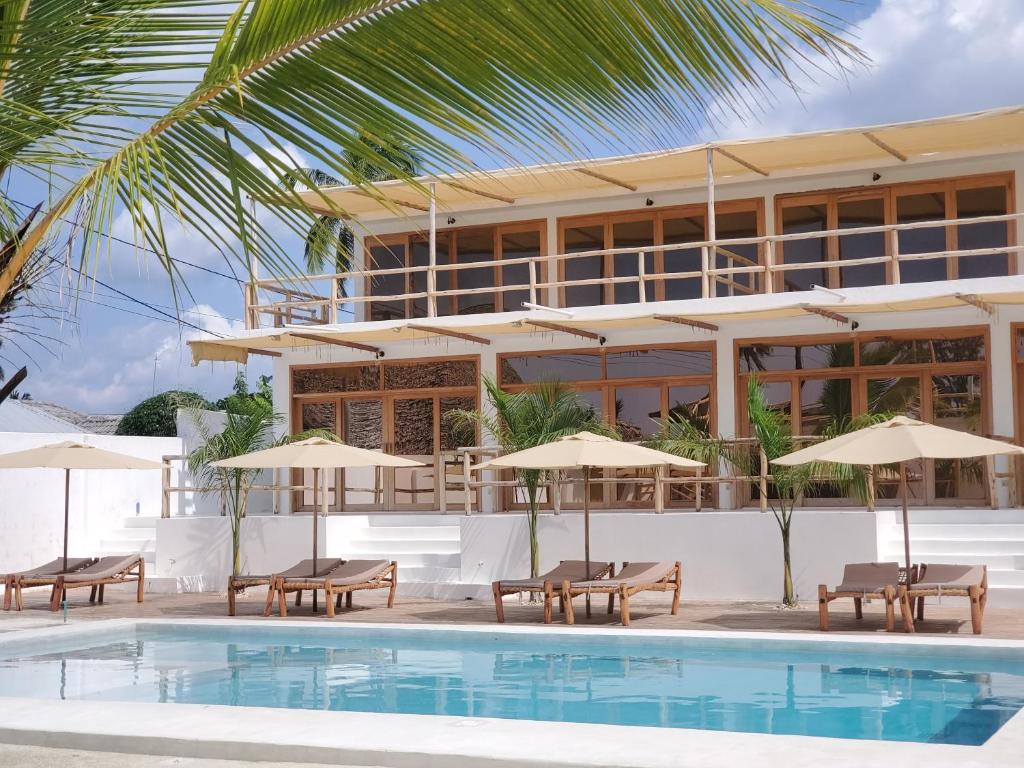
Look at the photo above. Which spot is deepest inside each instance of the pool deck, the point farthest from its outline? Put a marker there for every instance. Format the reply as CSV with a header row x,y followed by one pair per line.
x,y
950,616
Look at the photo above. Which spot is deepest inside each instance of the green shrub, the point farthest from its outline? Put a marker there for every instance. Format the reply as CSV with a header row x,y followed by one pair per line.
x,y
154,417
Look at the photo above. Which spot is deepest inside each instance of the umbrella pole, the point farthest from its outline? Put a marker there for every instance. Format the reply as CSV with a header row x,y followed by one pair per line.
x,y
323,508
67,502
586,527
906,523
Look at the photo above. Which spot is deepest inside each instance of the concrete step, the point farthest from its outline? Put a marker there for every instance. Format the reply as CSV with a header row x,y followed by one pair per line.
x,y
428,573
148,555
443,590
431,519
133,534
974,516
407,560
1006,561
140,522
947,546
966,531
429,533
1005,578
128,545
1005,597
395,548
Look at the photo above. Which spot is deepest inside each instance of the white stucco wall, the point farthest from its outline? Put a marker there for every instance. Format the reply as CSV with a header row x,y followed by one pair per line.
x,y
725,555
32,500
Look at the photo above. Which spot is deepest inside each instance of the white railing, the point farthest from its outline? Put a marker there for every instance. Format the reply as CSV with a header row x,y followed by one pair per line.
x,y
301,304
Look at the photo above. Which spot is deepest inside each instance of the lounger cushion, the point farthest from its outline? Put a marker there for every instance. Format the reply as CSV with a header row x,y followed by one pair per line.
x,y
869,577
299,570
632,575
948,576
348,572
56,567
567,570
104,568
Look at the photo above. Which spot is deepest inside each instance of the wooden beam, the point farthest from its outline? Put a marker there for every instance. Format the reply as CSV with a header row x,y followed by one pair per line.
x,y
566,329
482,193
740,160
882,145
12,383
827,313
975,301
338,342
609,179
383,200
687,321
264,352
448,332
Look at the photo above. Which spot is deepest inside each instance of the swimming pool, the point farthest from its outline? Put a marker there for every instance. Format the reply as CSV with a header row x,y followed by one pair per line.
x,y
865,691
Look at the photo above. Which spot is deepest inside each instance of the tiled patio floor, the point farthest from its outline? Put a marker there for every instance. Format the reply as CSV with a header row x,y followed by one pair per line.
x,y
950,616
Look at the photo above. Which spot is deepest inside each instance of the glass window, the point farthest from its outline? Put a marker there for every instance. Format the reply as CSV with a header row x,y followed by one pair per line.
x,y
785,357
387,257
733,226
692,404
418,278
637,412
824,403
362,428
957,404
982,201
533,369
450,373
677,231
888,351
649,363
475,246
804,218
867,212
578,240
929,206
632,234
455,433
342,378
518,245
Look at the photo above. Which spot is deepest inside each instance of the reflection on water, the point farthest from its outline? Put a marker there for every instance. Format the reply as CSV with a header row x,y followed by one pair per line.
x,y
956,701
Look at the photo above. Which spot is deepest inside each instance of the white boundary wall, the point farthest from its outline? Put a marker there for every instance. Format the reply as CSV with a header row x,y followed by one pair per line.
x,y
32,500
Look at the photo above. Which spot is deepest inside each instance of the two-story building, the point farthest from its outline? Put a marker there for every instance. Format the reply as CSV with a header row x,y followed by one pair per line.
x,y
850,271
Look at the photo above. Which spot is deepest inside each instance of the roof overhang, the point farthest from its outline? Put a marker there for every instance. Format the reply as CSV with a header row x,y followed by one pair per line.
x,y
703,316
739,160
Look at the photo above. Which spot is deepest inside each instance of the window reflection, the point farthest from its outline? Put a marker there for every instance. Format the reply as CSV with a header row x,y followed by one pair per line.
x,y
734,226
867,212
632,234
639,363
518,245
533,369
475,246
788,357
957,404
804,218
579,240
983,201
678,231
418,278
637,412
387,257
929,206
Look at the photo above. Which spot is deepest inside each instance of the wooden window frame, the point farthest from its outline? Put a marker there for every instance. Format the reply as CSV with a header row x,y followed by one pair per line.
x,y
890,193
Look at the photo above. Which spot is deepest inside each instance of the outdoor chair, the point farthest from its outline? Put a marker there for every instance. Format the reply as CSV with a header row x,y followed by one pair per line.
x,y
241,582
634,577
53,568
348,577
863,581
548,583
116,569
945,580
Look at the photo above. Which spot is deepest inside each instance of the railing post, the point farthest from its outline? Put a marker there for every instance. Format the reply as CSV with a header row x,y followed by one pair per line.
x,y
431,278
165,488
769,265
894,255
332,309
705,288
556,492
993,488
641,276
763,482
442,499
871,487
698,489
466,477
659,490
533,281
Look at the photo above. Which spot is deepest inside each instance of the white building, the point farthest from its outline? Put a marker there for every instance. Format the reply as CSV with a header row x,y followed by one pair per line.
x,y
850,271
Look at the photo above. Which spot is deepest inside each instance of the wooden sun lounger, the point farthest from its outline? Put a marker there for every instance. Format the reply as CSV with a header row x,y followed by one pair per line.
x,y
863,581
945,580
349,577
548,583
304,568
634,578
53,568
116,569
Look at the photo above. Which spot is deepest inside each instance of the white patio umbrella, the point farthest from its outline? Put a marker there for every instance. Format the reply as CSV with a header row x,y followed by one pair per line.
x,y
585,451
71,455
320,455
899,440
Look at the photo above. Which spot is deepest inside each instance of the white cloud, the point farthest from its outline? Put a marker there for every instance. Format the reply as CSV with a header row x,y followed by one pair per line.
x,y
928,58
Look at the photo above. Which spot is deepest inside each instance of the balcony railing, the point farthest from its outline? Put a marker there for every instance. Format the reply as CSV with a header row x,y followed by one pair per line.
x,y
298,299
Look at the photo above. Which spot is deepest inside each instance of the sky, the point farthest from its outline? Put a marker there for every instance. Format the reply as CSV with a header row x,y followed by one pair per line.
x,y
928,58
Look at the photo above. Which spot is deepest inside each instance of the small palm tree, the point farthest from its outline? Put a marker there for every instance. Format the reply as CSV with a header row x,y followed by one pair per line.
x,y
526,419
787,485
249,427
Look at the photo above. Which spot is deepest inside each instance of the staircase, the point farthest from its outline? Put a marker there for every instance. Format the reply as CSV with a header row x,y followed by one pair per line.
x,y
138,535
426,548
993,537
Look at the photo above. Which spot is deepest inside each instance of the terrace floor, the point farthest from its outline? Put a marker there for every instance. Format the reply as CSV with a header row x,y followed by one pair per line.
x,y
951,616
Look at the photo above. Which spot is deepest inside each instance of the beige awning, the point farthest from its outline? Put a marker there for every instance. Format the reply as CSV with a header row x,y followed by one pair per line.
x,y
602,320
738,160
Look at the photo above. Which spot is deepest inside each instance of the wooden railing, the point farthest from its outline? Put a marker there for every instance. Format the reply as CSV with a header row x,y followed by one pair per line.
x,y
296,299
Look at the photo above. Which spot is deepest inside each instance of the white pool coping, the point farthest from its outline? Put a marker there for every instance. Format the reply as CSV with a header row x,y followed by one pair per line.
x,y
429,741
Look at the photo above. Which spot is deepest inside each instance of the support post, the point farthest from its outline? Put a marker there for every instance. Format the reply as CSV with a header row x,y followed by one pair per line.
x,y
894,256
556,492
698,488
467,476
708,259
769,265
432,265
533,281
641,276
763,481
871,488
659,490
705,278
165,489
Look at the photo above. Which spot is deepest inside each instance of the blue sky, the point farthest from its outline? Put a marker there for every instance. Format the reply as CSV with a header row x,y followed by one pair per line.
x,y
929,57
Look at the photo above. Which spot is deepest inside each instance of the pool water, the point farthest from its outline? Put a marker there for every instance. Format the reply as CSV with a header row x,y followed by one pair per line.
x,y
888,693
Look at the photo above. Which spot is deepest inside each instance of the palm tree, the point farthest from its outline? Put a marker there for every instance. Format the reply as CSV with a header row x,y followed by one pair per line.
x,y
524,419
787,486
249,426
150,109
